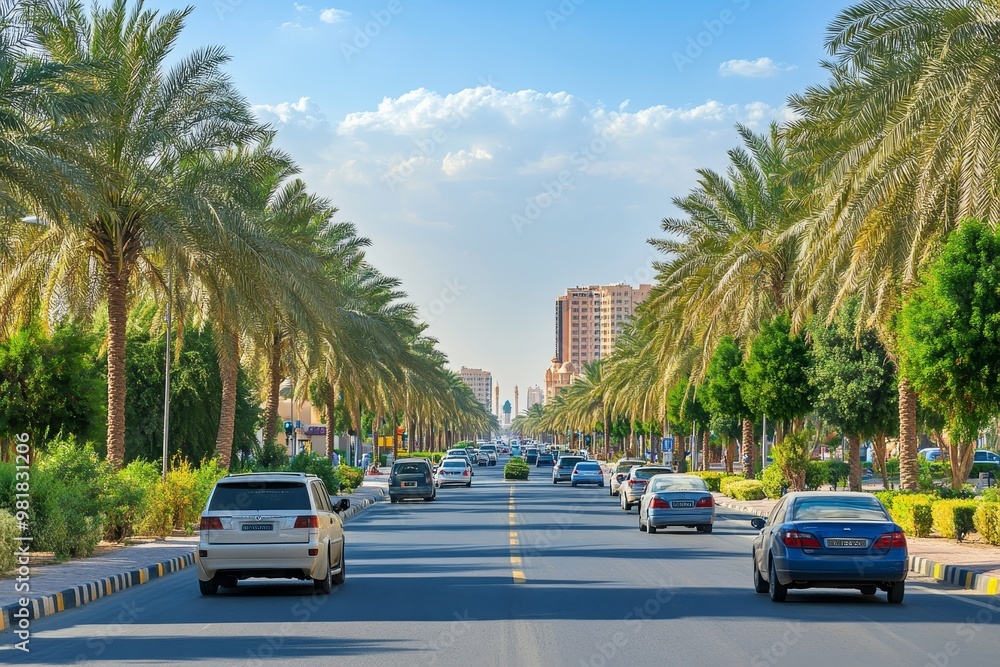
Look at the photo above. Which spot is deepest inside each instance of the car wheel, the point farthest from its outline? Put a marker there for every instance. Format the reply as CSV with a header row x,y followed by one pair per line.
x,y
895,592
210,587
468,485
325,585
774,587
340,577
707,528
601,484
650,528
555,481
611,491
759,585
393,500
868,590
573,483
642,526
430,497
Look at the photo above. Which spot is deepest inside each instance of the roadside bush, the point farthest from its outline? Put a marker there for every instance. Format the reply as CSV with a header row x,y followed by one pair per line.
x,y
953,518
350,477
747,489
892,467
912,511
516,468
712,478
726,481
75,496
8,544
887,498
990,495
314,464
173,501
837,473
127,494
792,457
773,481
987,522
817,474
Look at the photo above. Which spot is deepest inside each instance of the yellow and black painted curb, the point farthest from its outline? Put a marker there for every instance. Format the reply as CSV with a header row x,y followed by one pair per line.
x,y
77,596
955,575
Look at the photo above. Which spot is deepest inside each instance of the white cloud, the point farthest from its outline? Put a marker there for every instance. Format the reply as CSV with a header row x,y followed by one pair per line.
x,y
762,67
293,25
301,8
333,15
453,163
305,112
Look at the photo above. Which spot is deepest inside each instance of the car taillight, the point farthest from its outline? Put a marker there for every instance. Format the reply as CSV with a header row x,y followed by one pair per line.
x,y
890,541
705,502
619,477
465,473
427,479
799,540
635,482
211,523
310,521
659,503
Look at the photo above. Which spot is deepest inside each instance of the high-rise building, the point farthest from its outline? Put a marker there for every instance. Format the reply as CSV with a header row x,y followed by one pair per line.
x,y
533,396
481,383
588,322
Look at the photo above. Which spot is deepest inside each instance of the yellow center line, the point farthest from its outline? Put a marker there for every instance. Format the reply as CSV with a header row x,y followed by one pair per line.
x,y
515,554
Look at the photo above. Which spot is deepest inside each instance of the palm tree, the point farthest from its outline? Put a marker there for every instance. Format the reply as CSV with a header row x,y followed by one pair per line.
x,y
152,123
906,143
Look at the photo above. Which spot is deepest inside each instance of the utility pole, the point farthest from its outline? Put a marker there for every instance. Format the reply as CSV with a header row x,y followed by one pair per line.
x,y
166,375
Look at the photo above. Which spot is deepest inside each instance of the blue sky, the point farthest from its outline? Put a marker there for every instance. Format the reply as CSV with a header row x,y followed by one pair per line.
x,y
499,152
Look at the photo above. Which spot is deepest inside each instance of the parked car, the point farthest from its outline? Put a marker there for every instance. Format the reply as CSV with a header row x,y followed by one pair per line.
x,y
563,469
987,457
620,472
676,500
829,539
277,525
411,478
545,459
634,484
587,472
453,471
930,453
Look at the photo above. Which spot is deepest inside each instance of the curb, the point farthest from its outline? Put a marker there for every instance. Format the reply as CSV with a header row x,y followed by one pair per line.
x,y
77,596
46,605
949,574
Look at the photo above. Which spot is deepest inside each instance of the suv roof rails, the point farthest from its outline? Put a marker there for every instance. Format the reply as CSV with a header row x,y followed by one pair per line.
x,y
276,472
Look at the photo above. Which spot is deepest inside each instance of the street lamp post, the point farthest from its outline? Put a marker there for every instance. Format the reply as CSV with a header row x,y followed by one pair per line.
x,y
166,375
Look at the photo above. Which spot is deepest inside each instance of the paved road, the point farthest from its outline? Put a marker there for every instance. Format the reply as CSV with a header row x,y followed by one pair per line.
x,y
563,578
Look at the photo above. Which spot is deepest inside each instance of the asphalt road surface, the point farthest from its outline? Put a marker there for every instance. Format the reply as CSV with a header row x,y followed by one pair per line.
x,y
523,573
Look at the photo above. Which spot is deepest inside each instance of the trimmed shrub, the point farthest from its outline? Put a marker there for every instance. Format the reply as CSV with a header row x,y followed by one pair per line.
x,y
314,464
128,492
912,511
350,477
773,481
747,489
837,473
887,498
990,495
817,473
726,481
953,518
987,522
516,468
8,532
712,478
172,502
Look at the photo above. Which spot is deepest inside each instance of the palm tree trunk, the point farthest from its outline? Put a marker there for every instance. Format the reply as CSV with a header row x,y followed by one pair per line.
x,y
330,408
730,455
273,387
229,370
879,457
117,318
748,449
907,436
854,462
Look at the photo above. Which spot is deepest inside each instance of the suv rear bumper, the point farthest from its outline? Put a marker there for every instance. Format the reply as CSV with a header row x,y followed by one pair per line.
x,y
262,560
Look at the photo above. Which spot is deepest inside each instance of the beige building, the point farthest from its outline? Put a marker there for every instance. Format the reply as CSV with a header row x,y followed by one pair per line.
x,y
533,396
588,322
481,383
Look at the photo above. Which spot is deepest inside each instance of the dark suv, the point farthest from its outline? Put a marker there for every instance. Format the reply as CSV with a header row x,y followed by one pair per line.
x,y
545,459
411,478
563,470
530,456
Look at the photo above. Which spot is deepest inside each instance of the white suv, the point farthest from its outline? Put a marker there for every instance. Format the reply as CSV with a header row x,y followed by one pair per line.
x,y
278,525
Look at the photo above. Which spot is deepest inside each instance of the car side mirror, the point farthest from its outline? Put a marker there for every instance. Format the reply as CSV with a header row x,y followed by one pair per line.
x,y
342,505
758,522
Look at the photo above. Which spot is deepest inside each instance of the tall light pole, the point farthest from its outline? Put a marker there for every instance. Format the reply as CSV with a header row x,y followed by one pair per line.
x,y
166,375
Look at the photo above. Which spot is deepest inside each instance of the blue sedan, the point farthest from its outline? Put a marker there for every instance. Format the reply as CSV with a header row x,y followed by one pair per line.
x,y
829,540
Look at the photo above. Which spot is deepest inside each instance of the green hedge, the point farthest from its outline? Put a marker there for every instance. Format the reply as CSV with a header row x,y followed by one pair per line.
x,y
747,489
320,466
516,468
953,518
350,477
773,481
728,480
712,478
9,530
987,522
912,511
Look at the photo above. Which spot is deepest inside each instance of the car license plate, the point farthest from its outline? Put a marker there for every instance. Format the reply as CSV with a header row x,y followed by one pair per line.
x,y
409,483
682,503
256,527
837,542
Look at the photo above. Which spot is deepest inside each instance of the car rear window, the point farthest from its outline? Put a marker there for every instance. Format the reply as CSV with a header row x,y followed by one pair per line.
x,y
678,483
570,460
625,466
410,469
454,464
588,466
261,496
646,473
832,509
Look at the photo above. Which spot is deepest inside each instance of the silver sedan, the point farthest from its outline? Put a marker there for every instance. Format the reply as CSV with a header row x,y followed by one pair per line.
x,y
676,500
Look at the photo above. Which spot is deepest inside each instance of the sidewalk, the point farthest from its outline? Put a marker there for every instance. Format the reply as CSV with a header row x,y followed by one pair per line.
x,y
55,588
971,565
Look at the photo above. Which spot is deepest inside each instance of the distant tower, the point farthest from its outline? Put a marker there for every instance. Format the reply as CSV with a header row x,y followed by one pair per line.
x,y
506,414
515,401
496,400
